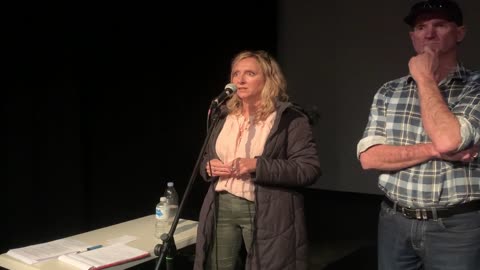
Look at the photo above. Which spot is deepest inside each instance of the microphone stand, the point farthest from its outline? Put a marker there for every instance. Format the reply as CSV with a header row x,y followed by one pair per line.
x,y
168,248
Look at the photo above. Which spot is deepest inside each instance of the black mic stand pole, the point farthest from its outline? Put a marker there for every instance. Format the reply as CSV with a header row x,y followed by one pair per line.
x,y
168,247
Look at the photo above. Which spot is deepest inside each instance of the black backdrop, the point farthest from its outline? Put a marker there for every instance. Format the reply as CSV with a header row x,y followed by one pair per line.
x,y
107,102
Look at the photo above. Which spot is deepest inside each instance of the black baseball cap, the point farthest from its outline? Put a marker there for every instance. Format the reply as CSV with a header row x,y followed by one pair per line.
x,y
447,8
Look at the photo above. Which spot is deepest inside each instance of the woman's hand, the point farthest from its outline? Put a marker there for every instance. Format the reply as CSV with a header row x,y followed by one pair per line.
x,y
235,168
241,166
215,167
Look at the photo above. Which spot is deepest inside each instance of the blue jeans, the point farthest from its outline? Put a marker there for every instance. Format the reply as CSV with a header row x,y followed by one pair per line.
x,y
451,243
234,225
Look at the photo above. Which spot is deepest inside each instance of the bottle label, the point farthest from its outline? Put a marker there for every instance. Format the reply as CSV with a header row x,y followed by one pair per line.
x,y
162,213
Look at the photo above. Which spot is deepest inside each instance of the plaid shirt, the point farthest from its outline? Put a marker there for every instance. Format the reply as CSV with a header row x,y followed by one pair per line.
x,y
395,120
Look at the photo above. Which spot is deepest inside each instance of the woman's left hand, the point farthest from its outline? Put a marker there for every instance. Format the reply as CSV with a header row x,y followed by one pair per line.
x,y
240,166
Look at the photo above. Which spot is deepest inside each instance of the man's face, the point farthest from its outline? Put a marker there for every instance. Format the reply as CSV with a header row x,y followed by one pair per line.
x,y
437,33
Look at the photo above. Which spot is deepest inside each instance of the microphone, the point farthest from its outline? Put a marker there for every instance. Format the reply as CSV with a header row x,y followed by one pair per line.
x,y
228,92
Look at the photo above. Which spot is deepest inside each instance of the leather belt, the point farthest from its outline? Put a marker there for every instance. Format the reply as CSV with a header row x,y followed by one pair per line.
x,y
430,213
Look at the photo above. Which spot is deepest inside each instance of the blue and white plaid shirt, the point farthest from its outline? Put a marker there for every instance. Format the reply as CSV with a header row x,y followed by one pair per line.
x,y
395,120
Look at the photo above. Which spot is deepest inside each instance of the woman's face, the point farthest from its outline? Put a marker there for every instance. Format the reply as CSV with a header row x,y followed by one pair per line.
x,y
249,79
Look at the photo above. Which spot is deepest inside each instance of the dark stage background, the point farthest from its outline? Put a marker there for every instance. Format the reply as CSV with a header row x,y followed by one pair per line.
x,y
107,101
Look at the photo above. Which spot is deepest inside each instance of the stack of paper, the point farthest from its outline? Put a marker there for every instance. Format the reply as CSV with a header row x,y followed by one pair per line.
x,y
35,253
104,257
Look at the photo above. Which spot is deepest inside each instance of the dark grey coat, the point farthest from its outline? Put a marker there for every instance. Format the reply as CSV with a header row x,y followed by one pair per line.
x,y
289,161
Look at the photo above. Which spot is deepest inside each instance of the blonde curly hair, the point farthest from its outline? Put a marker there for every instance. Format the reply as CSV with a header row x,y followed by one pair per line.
x,y
275,87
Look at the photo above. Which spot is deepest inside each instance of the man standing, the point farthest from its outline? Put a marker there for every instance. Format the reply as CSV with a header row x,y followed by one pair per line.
x,y
422,134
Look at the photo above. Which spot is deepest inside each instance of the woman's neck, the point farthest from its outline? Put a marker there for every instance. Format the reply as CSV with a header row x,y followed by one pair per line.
x,y
249,109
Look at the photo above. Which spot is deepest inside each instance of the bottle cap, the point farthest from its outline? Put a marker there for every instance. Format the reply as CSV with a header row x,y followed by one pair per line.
x,y
163,199
170,184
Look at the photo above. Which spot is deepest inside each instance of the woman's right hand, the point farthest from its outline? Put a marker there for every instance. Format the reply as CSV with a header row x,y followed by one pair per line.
x,y
215,167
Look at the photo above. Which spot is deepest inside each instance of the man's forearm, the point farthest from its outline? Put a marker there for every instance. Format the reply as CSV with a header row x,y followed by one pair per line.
x,y
439,122
392,158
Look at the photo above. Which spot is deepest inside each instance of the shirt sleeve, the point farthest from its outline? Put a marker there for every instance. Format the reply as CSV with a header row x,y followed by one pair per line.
x,y
375,130
467,111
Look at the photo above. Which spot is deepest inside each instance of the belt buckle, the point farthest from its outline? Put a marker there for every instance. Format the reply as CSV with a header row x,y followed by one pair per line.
x,y
421,214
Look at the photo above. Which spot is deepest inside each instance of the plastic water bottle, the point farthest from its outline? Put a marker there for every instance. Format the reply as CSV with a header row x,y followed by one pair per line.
x,y
162,217
172,200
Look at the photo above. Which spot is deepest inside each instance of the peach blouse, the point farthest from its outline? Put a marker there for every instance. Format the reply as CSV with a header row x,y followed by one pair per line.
x,y
240,138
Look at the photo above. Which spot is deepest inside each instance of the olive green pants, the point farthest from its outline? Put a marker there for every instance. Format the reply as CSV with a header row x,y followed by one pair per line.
x,y
234,224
